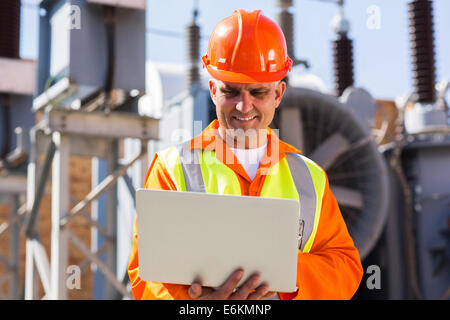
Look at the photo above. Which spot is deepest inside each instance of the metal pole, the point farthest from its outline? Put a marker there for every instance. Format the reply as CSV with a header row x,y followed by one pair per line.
x,y
98,240
29,227
31,285
29,271
111,218
60,205
144,162
14,248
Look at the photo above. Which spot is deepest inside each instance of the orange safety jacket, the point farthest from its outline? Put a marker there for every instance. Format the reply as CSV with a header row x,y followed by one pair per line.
x,y
331,267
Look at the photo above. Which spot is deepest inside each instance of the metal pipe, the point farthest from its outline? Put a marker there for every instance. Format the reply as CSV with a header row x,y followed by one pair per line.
x,y
110,21
29,225
20,153
129,183
16,218
14,250
111,217
83,264
6,115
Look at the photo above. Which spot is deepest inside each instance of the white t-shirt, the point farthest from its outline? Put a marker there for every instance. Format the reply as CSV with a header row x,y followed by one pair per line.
x,y
250,158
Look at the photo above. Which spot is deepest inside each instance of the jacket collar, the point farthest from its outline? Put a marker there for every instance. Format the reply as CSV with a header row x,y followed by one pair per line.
x,y
210,139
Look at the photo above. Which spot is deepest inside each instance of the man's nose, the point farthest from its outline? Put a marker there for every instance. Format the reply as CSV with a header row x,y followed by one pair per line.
x,y
245,103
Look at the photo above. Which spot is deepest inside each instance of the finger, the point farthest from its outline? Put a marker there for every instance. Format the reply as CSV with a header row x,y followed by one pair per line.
x,y
225,290
243,292
270,295
195,291
259,293
198,292
207,291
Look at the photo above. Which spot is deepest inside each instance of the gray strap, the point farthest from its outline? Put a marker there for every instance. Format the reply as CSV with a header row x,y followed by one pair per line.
x,y
307,195
190,165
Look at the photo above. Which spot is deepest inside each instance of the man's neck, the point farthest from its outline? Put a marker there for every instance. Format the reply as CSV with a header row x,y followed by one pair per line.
x,y
251,139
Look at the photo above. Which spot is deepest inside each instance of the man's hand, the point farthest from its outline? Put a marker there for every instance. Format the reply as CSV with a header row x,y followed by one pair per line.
x,y
225,291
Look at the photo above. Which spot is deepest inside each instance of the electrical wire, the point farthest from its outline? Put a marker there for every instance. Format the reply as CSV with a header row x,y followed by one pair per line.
x,y
172,34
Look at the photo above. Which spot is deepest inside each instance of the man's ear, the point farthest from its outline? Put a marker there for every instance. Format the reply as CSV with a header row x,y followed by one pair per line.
x,y
280,88
212,89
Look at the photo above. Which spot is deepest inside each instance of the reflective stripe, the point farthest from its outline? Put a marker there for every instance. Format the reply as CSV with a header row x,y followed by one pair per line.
x,y
171,161
307,195
190,166
319,179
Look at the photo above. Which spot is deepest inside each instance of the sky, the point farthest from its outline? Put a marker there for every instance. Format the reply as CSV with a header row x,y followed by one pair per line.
x,y
378,28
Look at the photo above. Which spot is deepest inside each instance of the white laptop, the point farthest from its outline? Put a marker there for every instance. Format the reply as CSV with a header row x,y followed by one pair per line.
x,y
183,236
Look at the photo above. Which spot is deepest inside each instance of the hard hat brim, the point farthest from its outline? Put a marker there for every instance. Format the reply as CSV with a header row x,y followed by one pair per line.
x,y
246,77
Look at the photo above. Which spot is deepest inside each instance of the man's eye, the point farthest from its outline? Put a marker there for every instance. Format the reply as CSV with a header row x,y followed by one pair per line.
x,y
258,93
230,93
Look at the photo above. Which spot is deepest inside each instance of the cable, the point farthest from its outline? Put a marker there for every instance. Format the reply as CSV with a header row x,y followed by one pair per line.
x,y
171,34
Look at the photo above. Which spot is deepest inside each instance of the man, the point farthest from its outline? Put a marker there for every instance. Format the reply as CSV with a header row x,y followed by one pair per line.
x,y
239,154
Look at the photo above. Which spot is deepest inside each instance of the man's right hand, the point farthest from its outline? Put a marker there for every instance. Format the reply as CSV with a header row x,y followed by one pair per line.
x,y
226,290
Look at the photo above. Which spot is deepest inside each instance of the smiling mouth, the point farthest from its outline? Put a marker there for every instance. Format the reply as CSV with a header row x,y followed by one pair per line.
x,y
244,119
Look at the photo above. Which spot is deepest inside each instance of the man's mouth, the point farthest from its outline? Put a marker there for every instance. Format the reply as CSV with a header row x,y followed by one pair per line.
x,y
244,119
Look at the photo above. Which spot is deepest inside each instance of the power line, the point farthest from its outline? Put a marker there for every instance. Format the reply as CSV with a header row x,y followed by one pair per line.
x,y
156,31
171,34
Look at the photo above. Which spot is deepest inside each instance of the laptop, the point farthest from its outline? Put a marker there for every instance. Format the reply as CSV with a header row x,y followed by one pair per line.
x,y
187,236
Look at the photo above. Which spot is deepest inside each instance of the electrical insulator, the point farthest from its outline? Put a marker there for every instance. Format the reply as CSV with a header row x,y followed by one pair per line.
x,y
343,63
422,49
193,50
286,22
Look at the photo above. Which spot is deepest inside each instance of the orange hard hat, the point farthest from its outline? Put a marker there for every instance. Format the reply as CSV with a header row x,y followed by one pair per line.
x,y
247,47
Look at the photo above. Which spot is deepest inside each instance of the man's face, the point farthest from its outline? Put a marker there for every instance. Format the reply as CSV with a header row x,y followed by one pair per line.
x,y
245,105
